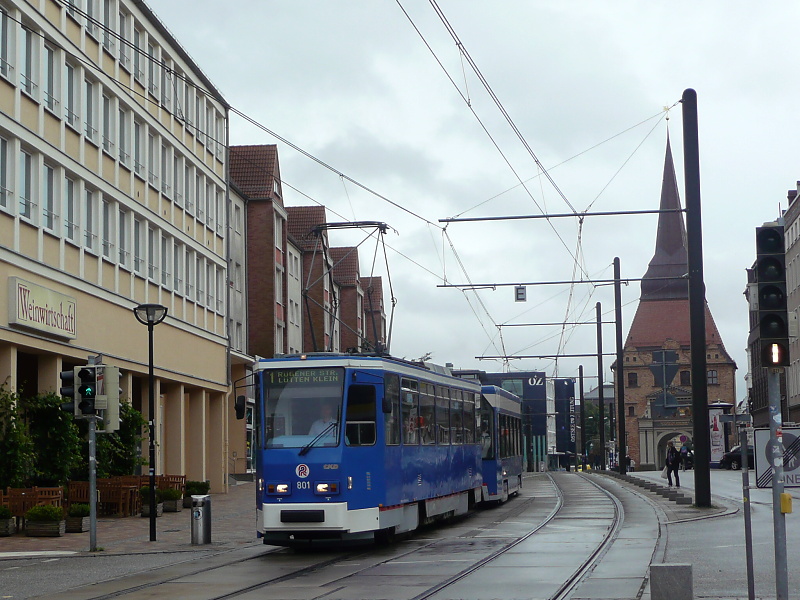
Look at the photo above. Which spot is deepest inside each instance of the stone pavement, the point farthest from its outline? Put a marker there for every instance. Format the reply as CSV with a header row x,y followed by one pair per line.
x,y
232,526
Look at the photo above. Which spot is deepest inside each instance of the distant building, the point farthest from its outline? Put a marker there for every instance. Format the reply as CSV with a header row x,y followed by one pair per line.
x,y
376,336
790,391
657,360
351,300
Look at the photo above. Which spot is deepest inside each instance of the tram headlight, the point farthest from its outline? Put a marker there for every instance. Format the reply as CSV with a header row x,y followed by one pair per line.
x,y
326,488
278,489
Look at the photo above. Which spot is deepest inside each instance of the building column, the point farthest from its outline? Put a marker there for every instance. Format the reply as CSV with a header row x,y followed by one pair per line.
x,y
49,371
174,430
8,367
217,448
196,423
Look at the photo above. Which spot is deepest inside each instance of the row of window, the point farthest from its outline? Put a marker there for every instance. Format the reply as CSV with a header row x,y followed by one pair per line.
x,y
712,378
428,414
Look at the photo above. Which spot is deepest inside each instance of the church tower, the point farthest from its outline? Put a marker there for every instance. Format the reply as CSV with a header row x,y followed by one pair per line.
x,y
657,360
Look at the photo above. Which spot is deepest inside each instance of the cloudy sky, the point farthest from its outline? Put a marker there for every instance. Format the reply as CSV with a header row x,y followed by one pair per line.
x,y
379,90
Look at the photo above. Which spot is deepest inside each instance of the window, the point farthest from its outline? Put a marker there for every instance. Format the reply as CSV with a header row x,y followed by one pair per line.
x,y
200,296
138,158
392,420
5,44
108,244
210,127
50,79
138,246
88,110
71,5
152,70
360,423
89,221
187,186
427,414
138,54
122,239
220,290
188,101
177,265
633,380
165,256
123,136
4,191
165,166
152,269
108,125
199,113
166,92
210,282
28,61
71,102
25,185
68,210
443,414
210,204
237,219
124,42
189,274
409,409
712,377
152,164
631,411
177,179
108,25
201,202
686,378
220,211
91,17
48,199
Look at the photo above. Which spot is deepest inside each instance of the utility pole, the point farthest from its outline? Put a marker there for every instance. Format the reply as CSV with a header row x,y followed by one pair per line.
x,y
601,416
619,375
697,300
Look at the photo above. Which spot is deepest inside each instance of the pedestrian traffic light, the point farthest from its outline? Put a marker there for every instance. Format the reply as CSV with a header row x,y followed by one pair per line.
x,y
69,392
773,318
87,392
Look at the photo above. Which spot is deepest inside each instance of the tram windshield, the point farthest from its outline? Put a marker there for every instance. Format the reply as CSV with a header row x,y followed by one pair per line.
x,y
302,405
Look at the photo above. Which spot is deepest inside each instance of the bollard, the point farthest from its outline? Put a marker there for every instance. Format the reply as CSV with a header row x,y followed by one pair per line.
x,y
671,581
201,519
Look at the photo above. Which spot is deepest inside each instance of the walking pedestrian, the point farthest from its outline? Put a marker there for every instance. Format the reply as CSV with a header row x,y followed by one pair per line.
x,y
673,460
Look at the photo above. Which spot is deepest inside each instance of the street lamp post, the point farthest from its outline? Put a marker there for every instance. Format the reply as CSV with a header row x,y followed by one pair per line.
x,y
151,315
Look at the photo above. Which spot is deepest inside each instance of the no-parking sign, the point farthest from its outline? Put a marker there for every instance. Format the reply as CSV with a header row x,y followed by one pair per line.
x,y
791,457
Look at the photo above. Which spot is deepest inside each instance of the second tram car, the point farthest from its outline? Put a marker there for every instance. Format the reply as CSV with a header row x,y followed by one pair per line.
x,y
351,447
501,443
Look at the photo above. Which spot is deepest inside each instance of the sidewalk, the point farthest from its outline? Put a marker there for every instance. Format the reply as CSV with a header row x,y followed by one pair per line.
x,y
233,524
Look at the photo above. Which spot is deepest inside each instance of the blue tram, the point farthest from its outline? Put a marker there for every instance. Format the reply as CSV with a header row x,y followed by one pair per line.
x,y
501,443
354,447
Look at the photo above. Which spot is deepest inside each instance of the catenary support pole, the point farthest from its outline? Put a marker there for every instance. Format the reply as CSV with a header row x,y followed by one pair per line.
x,y
697,301
601,416
583,414
619,374
776,460
748,530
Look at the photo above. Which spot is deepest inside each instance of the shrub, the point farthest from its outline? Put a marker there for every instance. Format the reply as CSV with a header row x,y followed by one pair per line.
x,y
79,510
145,494
197,488
171,494
5,513
47,512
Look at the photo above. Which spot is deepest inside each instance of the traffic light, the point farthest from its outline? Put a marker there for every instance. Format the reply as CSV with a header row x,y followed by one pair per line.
x,y
112,391
69,392
773,318
87,392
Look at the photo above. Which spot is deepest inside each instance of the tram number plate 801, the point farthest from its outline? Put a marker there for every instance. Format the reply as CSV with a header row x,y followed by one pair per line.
x,y
303,485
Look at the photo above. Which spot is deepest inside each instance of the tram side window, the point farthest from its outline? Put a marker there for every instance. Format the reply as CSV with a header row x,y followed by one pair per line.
x,y
360,425
392,420
487,431
427,421
457,417
409,396
443,414
469,418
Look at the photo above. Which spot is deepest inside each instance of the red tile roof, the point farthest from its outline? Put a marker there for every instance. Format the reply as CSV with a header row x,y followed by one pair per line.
x,y
254,169
658,320
345,265
301,222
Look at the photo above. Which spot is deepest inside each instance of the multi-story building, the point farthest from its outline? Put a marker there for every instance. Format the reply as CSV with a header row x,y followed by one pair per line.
x,y
657,359
319,303
791,394
113,194
351,300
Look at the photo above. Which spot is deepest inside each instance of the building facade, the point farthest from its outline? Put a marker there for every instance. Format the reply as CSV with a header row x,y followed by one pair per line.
x,y
791,381
114,194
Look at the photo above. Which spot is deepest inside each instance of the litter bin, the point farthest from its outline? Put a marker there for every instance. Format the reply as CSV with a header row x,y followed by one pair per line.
x,y
201,519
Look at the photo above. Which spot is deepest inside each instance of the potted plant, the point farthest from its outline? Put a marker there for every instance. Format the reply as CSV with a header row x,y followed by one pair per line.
x,y
78,518
195,488
45,521
145,495
172,500
8,524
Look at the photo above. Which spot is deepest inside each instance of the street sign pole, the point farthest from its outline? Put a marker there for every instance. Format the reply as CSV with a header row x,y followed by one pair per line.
x,y
748,531
776,454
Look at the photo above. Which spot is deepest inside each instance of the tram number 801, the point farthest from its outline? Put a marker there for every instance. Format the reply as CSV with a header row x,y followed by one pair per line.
x,y
303,485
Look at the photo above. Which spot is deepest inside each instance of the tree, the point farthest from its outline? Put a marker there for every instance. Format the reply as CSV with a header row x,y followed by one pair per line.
x,y
17,455
54,436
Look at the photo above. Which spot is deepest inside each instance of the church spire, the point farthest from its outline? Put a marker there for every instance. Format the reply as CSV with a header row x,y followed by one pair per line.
x,y
670,258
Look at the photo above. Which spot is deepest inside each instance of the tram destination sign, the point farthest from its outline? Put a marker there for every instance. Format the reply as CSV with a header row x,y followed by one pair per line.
x,y
305,376
791,457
